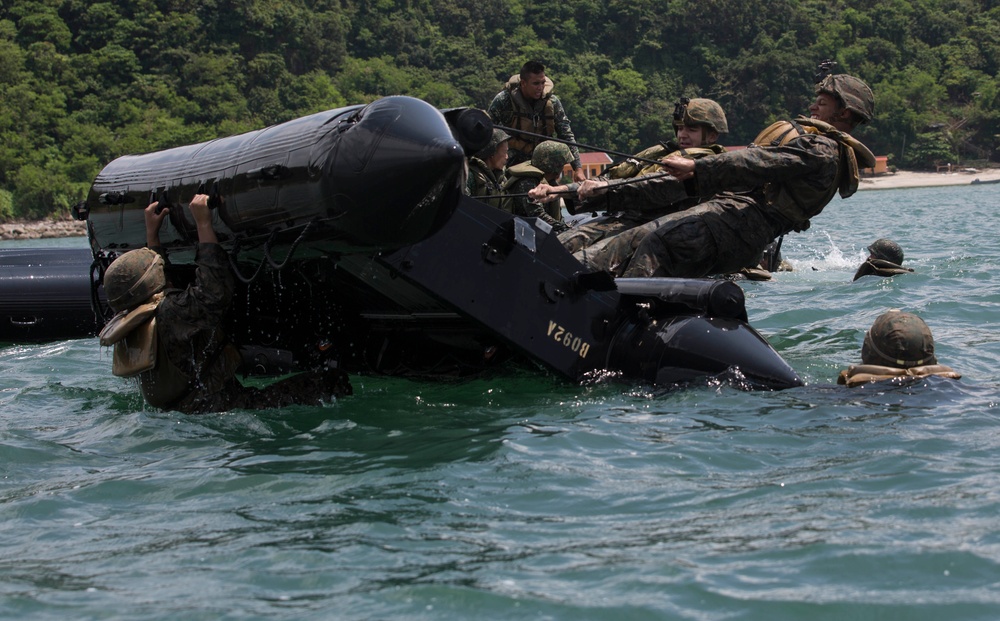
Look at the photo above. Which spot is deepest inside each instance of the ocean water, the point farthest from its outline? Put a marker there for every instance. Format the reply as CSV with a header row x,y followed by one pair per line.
x,y
521,496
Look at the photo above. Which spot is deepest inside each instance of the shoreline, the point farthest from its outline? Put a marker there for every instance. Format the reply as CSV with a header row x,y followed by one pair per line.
x,y
911,179
47,229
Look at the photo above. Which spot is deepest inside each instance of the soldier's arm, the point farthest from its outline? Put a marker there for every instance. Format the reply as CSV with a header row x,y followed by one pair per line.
x,y
154,221
501,109
809,156
203,219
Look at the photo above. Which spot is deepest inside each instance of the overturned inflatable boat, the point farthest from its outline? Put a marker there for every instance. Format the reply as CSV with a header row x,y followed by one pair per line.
x,y
353,245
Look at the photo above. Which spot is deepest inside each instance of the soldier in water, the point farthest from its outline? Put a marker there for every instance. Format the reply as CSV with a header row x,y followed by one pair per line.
x,y
173,341
885,258
898,345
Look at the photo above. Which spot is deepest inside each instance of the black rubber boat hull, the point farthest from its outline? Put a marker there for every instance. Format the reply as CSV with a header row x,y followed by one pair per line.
x,y
45,295
353,246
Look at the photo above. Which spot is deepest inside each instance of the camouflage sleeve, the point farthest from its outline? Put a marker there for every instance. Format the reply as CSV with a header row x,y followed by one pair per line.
x,y
564,131
501,109
209,297
519,205
649,193
522,205
811,159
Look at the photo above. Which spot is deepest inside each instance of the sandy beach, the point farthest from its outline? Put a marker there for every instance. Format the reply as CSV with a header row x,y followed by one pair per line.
x,y
901,179
910,179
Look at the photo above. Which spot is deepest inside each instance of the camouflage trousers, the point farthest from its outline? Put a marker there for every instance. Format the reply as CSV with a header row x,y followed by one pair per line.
x,y
586,235
601,230
720,236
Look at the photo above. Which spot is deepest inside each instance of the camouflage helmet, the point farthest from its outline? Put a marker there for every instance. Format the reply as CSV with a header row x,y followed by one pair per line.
x,y
855,94
499,136
133,278
900,340
887,250
550,156
700,112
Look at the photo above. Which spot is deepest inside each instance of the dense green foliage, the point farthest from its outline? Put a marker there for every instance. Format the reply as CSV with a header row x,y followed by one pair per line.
x,y
82,82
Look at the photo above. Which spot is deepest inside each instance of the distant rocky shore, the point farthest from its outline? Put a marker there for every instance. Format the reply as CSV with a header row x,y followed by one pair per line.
x,y
42,229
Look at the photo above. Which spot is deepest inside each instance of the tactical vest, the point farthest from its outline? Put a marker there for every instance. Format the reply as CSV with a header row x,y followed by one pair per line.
x,y
526,118
484,182
852,152
636,166
865,373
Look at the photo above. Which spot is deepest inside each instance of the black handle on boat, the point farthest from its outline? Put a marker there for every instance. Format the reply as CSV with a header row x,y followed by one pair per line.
x,y
161,200
214,198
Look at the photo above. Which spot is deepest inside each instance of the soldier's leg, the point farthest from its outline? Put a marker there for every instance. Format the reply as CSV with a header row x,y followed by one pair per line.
x,y
586,235
613,253
683,248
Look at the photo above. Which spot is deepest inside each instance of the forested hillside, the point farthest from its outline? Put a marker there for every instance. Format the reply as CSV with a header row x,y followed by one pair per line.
x,y
82,82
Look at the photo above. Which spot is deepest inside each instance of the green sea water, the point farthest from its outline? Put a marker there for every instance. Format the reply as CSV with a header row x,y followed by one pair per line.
x,y
520,496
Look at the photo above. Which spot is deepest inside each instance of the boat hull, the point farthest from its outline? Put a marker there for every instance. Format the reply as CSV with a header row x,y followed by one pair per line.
x,y
45,294
353,246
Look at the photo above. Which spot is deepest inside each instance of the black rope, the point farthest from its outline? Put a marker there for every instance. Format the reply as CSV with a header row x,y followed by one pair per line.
x,y
266,259
291,249
236,270
613,183
578,144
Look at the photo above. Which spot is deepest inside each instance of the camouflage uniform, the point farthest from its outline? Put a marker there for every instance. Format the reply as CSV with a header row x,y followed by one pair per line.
x,y
522,178
757,194
699,112
192,341
791,183
485,182
547,159
545,113
623,215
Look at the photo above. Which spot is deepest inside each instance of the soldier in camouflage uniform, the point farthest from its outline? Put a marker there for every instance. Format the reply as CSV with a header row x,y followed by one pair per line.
x,y
173,340
885,259
486,177
547,163
698,124
794,169
527,103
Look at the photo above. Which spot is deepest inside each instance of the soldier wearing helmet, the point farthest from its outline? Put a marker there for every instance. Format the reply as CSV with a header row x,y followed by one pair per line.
x,y
486,176
698,123
527,103
853,96
173,340
546,165
749,197
885,258
898,345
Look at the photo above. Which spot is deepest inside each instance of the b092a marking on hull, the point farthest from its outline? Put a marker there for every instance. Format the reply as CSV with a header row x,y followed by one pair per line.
x,y
561,335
